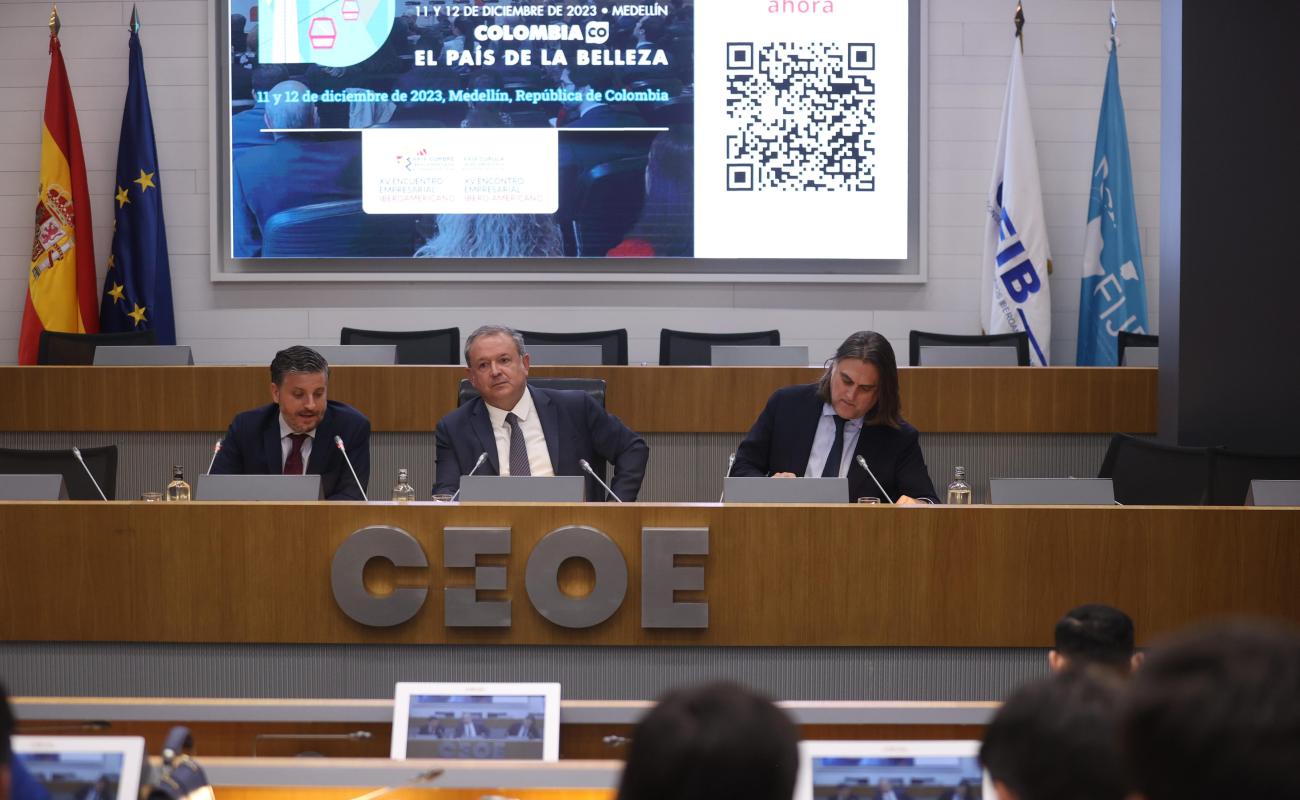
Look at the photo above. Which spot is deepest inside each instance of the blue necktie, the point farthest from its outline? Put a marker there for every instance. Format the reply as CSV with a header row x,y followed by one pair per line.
x,y
518,450
832,468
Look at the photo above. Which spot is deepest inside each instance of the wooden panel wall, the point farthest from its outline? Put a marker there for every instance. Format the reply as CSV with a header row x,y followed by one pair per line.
x,y
649,399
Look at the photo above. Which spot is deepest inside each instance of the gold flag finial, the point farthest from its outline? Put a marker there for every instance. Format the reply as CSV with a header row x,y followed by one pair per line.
x,y
54,20
134,27
1020,25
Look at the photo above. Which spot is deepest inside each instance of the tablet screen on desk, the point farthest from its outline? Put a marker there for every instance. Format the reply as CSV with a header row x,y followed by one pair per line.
x,y
84,767
487,720
934,770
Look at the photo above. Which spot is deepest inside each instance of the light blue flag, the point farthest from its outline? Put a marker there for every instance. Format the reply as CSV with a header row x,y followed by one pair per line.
x,y
1113,297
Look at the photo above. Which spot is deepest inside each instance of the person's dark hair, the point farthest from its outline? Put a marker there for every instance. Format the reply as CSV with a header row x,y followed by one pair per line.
x,y
713,742
267,76
6,728
667,218
1215,713
1057,738
1096,634
297,359
874,349
492,330
655,28
600,79
237,36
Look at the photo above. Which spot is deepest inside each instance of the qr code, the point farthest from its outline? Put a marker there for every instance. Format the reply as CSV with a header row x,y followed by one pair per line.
x,y
802,117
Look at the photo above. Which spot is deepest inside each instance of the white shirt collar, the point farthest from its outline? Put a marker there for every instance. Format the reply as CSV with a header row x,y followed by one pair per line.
x,y
523,409
849,425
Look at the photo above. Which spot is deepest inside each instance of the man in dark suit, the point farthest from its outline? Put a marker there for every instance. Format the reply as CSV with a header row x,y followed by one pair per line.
x,y
467,728
298,169
819,429
294,435
526,430
525,728
886,791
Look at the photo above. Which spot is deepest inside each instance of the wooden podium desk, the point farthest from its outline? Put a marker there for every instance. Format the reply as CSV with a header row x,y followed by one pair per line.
x,y
649,399
838,575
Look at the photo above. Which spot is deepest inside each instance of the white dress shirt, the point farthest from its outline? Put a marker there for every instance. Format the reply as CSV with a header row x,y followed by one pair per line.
x,y
539,458
286,444
824,440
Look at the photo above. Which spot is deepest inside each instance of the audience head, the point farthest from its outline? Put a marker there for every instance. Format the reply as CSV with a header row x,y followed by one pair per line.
x,y
297,113
718,741
250,39
494,236
237,36
497,363
1095,634
668,216
299,384
861,380
267,76
1057,738
1215,713
6,754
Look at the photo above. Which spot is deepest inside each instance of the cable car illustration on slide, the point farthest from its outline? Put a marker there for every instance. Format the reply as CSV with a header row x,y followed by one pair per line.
x,y
331,33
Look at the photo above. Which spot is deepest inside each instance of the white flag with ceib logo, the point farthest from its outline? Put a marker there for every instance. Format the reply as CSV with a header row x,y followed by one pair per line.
x,y
1016,255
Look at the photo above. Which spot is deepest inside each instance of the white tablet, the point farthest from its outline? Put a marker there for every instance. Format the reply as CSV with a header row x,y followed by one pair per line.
x,y
84,767
933,770
477,720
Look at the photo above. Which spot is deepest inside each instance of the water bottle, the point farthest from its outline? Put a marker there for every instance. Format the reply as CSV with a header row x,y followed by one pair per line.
x,y
178,489
959,489
403,492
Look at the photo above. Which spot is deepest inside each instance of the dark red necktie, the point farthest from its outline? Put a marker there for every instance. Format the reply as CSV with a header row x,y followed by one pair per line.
x,y
293,464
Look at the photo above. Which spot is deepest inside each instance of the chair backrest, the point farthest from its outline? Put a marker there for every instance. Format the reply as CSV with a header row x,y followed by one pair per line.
x,y
338,229
918,339
440,346
610,199
687,348
102,462
613,343
1125,340
1151,474
1233,472
56,347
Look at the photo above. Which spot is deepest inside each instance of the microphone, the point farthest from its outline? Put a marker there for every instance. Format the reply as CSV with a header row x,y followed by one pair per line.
x,y
862,462
731,462
582,462
89,726
215,450
338,442
352,736
77,453
481,458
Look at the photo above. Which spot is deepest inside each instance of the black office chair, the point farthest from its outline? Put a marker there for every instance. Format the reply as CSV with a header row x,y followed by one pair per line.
x,y
102,462
1150,474
1234,470
918,339
610,197
338,229
613,343
687,348
1124,340
439,346
69,349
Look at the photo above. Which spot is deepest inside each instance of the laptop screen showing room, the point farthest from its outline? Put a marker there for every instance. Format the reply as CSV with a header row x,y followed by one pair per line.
x,y
891,770
511,721
83,767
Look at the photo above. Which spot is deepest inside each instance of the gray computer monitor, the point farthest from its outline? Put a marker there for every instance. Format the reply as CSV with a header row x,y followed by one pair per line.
x,y
759,355
1273,493
1051,492
785,490
566,355
1141,357
150,355
523,488
962,356
358,354
33,487
284,488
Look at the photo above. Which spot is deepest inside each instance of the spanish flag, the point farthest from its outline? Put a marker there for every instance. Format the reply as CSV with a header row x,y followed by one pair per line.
x,y
61,290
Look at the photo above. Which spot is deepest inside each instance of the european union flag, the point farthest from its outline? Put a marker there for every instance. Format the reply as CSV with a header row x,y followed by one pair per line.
x,y
1113,296
138,286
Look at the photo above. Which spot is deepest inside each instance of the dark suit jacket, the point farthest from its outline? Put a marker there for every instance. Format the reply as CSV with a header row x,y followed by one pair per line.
x,y
576,427
782,438
252,447
582,151
514,730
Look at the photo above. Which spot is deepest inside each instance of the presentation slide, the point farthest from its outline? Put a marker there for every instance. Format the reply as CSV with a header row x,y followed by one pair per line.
x,y
714,129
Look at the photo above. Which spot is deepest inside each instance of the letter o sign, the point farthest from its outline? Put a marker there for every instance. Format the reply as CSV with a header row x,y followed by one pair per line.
x,y
542,571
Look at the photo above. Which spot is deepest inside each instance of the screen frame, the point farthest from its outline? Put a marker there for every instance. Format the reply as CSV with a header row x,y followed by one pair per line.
x,y
131,749
810,749
225,269
405,691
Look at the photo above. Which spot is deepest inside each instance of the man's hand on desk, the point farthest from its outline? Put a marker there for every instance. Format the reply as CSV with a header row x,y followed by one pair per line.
x,y
784,475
